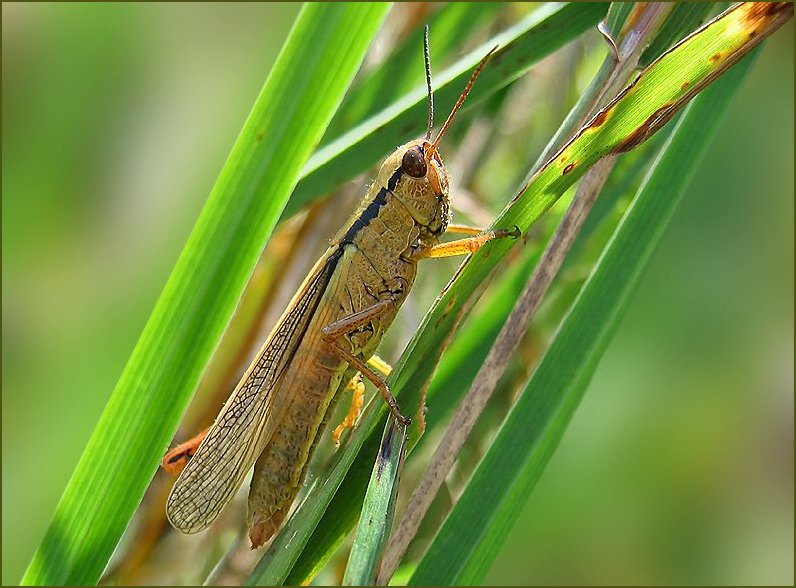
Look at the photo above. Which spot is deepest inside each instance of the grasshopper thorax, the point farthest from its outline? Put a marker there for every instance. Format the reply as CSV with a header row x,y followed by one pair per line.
x,y
416,176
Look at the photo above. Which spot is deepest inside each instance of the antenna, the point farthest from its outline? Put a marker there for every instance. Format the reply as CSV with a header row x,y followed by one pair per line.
x,y
459,103
427,55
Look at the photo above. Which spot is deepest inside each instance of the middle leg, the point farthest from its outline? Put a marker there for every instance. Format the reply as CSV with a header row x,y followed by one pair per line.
x,y
334,332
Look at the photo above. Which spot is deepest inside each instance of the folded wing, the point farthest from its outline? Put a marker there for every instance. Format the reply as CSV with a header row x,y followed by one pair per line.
x,y
240,431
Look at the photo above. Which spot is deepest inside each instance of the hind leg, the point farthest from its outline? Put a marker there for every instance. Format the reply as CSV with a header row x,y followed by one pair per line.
x,y
176,459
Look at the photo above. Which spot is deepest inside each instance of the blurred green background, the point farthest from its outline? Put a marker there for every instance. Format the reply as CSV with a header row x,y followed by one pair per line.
x,y
678,467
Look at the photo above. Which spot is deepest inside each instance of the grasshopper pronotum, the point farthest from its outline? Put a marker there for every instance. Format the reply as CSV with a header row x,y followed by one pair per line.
x,y
325,338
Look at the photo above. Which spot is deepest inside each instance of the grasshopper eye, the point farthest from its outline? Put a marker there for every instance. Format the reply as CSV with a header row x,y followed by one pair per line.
x,y
414,164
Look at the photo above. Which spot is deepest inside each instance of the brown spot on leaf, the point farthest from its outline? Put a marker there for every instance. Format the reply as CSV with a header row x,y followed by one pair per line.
x,y
568,169
658,118
756,11
449,307
685,85
715,57
601,117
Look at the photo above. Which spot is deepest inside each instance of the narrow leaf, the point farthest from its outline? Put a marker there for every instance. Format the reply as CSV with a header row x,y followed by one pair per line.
x,y
403,71
524,44
463,550
324,50
378,510
629,120
686,16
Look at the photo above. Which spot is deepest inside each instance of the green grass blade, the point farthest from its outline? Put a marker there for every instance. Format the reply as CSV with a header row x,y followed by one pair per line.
x,y
465,547
378,509
685,17
524,44
450,27
625,121
467,351
612,23
321,56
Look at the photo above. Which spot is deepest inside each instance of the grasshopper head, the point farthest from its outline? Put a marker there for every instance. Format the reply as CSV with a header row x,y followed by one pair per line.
x,y
417,177
415,173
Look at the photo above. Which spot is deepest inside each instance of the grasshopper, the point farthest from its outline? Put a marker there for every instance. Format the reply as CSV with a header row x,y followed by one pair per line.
x,y
324,342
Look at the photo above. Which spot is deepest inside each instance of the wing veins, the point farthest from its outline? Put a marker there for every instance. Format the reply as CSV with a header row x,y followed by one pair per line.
x,y
232,445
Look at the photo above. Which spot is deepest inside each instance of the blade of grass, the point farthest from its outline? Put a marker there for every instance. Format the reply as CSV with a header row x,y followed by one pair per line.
x,y
322,53
465,547
451,26
533,38
278,561
686,16
378,509
627,53
610,27
460,363
635,115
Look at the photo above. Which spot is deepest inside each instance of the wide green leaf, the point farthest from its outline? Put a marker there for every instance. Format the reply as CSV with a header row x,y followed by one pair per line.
x,y
322,54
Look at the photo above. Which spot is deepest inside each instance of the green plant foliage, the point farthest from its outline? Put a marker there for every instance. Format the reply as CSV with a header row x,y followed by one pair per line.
x,y
378,509
324,50
657,94
404,118
467,543
276,167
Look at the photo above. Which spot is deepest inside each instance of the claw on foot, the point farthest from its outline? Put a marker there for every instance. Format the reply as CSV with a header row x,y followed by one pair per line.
x,y
501,233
